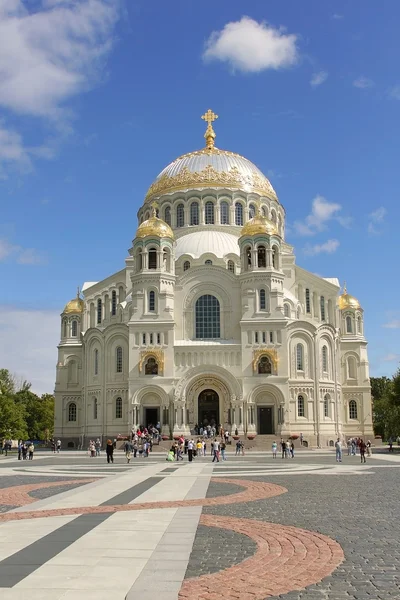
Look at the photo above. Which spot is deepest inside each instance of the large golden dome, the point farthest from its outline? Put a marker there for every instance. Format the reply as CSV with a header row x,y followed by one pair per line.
x,y
211,167
347,301
75,306
257,225
154,227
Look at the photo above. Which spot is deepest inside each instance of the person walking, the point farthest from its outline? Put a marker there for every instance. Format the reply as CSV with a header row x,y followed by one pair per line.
x,y
110,451
189,450
31,449
274,449
338,448
216,450
369,448
98,446
223,448
362,447
292,450
19,449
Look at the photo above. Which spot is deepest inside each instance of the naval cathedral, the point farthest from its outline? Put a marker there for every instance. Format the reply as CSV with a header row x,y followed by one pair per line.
x,y
211,321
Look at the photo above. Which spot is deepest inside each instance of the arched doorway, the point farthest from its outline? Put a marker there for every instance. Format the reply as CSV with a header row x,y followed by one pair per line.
x,y
208,408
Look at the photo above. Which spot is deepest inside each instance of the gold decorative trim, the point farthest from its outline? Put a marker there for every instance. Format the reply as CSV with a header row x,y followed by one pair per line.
x,y
210,177
157,354
272,355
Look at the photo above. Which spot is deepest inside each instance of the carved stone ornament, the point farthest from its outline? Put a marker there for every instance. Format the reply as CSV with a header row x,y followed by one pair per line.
x,y
158,355
270,352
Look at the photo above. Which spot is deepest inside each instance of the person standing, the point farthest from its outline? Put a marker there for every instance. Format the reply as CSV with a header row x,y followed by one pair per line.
x,y
98,445
58,446
292,450
189,450
223,448
110,451
31,449
338,447
216,450
274,449
369,448
362,447
283,446
19,449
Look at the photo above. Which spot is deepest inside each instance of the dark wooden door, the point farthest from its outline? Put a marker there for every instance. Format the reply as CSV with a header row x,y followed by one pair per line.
x,y
265,420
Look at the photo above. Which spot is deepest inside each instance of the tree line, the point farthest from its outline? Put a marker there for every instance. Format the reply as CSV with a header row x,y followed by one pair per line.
x,y
23,414
385,393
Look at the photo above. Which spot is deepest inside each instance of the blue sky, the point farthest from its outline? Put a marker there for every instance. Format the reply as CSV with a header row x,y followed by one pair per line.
x,y
97,96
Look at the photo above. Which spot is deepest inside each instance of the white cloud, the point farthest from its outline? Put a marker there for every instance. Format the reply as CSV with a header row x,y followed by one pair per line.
x,y
363,82
318,78
391,358
252,47
322,212
48,55
16,253
394,92
376,218
394,324
328,247
337,16
29,345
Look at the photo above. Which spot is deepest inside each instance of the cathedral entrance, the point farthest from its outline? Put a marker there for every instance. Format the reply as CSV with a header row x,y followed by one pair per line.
x,y
151,417
265,420
208,405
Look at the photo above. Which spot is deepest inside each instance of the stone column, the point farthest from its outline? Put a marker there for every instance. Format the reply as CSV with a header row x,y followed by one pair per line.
x,y
251,426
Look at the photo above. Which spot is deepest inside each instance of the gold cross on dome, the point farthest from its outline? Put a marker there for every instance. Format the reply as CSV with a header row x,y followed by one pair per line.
x,y
209,117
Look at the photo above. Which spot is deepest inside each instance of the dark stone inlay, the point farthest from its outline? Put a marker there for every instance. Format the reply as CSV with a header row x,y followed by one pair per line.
x,y
216,549
222,489
21,564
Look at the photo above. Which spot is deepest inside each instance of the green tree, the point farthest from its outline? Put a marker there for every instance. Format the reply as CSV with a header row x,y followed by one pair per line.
x,y
39,413
12,419
386,405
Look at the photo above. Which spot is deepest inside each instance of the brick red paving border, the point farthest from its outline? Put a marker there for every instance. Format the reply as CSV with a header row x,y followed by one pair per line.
x,y
18,495
254,490
287,559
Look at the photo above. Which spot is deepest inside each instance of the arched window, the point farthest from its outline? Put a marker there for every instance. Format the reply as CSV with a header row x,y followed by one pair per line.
x,y
96,361
264,211
353,411
231,266
247,254
263,301
74,328
95,408
118,359
151,366
99,310
301,409
326,405
264,366
209,213
152,258
118,408
322,304
351,368
224,213
167,215
208,262
273,216
180,215
72,412
324,359
194,213
286,308
65,328
261,257
72,371
207,313
114,303
239,214
139,260
349,324
275,262
252,211
186,265
308,301
152,301
359,324
300,357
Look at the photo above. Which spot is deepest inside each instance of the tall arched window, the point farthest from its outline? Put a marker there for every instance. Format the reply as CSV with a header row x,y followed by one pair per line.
x,y
300,357
324,359
186,265
152,258
349,324
96,361
194,213
351,368
207,313
139,260
180,215
99,311
275,255
239,214
151,366
264,366
247,254
209,213
72,412
231,266
118,408
353,410
74,328
224,213
72,374
359,324
301,409
261,257
264,211
263,301
252,211
118,359
322,304
308,301
286,309
152,301
273,216
326,405
114,303
167,215
95,409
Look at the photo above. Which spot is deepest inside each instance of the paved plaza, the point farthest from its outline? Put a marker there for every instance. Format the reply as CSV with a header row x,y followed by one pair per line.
x,y
73,527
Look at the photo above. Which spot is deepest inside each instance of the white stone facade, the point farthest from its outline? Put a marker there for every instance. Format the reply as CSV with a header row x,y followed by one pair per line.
x,y
234,329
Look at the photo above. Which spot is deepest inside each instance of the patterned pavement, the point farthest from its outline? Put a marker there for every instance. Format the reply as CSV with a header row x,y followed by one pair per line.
x,y
296,529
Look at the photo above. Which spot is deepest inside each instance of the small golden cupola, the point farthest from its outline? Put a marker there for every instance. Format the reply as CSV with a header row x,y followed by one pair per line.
x,y
346,301
154,227
74,306
259,225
